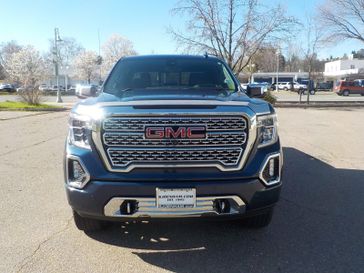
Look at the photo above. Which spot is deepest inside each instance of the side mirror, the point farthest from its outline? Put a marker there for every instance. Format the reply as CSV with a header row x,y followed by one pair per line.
x,y
255,92
86,91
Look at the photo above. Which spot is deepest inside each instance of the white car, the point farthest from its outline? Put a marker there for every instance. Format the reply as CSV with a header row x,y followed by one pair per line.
x,y
291,86
299,86
44,87
284,85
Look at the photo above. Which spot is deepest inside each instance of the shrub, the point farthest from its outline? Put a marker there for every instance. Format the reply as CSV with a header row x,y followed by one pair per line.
x,y
270,98
31,96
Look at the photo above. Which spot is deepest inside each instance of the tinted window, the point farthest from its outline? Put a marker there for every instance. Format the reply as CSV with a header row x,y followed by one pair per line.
x,y
167,73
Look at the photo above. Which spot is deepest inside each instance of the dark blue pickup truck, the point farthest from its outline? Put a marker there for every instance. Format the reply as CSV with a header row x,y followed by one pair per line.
x,y
172,136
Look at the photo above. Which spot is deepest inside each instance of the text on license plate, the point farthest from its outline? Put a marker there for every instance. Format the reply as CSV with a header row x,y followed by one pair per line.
x,y
176,198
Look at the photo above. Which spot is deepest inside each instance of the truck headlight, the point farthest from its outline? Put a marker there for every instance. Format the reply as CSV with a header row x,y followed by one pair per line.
x,y
267,130
79,126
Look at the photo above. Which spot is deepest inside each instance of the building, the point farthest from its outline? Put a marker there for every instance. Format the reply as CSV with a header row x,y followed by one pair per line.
x,y
344,69
271,77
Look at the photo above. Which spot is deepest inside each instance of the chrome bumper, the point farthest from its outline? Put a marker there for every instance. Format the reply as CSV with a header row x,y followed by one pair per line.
x,y
147,207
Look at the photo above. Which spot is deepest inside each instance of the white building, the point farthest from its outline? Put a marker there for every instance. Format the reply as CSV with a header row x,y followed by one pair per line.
x,y
344,69
271,77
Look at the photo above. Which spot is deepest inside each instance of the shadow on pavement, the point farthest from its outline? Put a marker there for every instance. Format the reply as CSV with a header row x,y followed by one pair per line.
x,y
317,227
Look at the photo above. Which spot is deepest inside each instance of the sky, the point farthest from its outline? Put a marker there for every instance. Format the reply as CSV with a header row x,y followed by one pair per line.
x,y
144,22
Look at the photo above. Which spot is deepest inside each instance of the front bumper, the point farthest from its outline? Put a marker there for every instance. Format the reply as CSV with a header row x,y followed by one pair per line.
x,y
102,199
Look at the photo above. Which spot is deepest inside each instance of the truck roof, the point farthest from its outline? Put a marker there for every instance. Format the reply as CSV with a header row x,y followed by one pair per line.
x,y
170,56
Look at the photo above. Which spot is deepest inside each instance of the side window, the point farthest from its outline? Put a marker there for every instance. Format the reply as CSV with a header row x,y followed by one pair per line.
x,y
228,80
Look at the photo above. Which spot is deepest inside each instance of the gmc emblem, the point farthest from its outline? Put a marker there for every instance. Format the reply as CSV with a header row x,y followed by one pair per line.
x,y
175,132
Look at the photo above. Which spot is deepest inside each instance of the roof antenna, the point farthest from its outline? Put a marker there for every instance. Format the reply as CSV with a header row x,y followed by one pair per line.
x,y
206,55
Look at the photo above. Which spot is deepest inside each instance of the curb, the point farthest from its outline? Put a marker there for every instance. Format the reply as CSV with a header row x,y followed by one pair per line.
x,y
321,104
36,109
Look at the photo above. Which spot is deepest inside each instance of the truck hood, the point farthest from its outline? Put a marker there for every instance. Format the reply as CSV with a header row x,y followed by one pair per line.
x,y
175,98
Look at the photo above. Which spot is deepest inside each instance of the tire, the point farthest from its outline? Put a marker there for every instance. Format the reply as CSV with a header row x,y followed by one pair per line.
x,y
285,89
87,224
260,220
312,92
346,93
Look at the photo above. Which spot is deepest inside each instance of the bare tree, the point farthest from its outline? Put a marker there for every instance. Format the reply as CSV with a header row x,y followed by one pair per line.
x,y
115,48
86,65
314,41
265,59
293,53
27,67
68,49
233,30
344,19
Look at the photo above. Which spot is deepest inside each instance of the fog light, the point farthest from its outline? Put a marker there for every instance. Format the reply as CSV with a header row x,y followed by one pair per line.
x,y
271,167
128,207
222,206
270,173
77,173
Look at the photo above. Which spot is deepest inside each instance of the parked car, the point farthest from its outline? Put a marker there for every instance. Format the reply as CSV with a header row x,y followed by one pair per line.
x,y
324,86
44,87
55,88
299,86
7,87
293,86
346,88
309,86
20,89
285,85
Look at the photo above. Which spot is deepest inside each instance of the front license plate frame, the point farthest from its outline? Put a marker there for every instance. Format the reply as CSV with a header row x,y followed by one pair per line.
x,y
175,198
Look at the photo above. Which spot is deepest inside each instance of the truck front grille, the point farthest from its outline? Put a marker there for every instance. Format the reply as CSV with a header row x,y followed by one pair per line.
x,y
125,144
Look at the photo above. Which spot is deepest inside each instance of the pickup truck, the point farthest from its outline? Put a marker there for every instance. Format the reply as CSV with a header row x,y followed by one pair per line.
x,y
172,136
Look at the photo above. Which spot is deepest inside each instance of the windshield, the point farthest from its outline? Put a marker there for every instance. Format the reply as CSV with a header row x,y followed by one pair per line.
x,y
168,73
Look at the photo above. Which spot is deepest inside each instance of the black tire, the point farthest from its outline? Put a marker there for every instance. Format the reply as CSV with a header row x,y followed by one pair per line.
x,y
260,220
346,93
87,224
285,89
312,92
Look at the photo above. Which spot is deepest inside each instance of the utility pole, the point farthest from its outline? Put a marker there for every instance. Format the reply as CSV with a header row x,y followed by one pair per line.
x,y
278,53
56,59
98,37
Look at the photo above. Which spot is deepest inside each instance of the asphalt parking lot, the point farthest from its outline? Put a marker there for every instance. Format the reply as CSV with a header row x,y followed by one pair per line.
x,y
317,226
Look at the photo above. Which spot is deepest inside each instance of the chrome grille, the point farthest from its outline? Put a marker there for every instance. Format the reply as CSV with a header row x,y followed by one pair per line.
x,y
123,157
138,123
125,145
214,139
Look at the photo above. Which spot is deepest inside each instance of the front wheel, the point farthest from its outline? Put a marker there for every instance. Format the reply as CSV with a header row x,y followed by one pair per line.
x,y
285,89
260,220
312,92
88,224
346,93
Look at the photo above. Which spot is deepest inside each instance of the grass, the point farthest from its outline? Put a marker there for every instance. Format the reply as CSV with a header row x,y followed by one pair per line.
x,y
18,105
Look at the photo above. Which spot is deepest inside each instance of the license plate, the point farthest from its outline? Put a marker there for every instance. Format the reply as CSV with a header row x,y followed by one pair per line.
x,y
176,198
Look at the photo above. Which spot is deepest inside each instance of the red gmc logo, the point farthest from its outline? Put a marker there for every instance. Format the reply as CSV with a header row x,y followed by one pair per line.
x,y
175,132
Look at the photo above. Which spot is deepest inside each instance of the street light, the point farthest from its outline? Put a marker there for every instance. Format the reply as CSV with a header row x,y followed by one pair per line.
x,y
56,40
